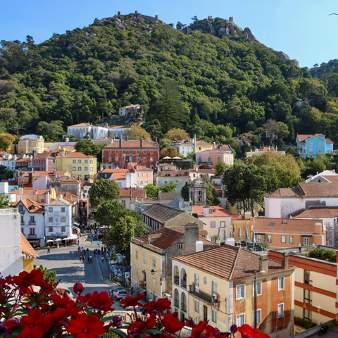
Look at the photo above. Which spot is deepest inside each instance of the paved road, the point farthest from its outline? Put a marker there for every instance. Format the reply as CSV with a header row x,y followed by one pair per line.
x,y
65,262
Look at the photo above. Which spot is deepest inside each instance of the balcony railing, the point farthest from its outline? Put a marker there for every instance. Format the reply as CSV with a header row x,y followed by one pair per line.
x,y
212,299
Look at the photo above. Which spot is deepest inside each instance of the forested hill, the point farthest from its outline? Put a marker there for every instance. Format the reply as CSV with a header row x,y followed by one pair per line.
x,y
224,76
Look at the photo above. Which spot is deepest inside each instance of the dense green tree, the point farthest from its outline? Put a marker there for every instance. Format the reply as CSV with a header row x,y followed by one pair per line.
x,y
6,141
51,131
88,147
152,190
245,185
169,108
123,225
5,173
4,203
185,192
177,134
221,167
138,133
101,191
315,165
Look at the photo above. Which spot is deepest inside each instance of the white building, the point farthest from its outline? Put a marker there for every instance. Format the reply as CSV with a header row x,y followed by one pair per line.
x,y
131,109
286,201
8,161
58,219
184,148
11,262
32,220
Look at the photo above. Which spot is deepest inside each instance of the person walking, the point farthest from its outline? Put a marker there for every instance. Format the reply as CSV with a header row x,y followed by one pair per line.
x,y
48,249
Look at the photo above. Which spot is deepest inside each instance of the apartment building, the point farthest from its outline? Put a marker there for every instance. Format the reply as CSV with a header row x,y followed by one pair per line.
x,y
77,165
315,287
223,154
121,152
229,285
30,144
288,232
151,258
217,222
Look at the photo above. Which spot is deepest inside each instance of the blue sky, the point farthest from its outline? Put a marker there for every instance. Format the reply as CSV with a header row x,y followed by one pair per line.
x,y
302,29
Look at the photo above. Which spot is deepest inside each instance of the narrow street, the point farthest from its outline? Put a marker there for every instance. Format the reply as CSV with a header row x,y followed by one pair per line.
x,y
66,263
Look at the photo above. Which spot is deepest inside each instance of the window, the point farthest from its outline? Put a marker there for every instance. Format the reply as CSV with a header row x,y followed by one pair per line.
x,y
258,288
306,240
269,238
63,219
74,161
90,161
213,288
86,161
78,161
86,168
179,245
213,315
50,209
22,220
196,280
79,169
280,283
258,316
74,168
153,263
20,208
50,219
282,239
212,224
31,219
240,291
205,280
197,306
31,231
280,310
50,229
291,239
63,209
63,229
240,319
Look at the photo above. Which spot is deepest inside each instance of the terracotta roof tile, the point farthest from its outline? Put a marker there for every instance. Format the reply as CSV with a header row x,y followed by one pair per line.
x,y
214,211
31,206
290,226
132,144
132,193
75,154
225,261
318,213
303,137
26,247
161,213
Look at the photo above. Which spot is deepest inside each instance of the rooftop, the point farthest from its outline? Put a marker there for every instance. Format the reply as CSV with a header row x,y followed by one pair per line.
x,y
227,261
318,213
161,213
132,144
75,154
287,225
31,206
26,247
132,193
211,211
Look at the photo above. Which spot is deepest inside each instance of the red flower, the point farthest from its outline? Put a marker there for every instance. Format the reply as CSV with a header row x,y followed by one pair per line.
x,y
86,326
29,333
139,326
171,323
248,332
78,288
158,305
10,324
100,300
35,320
132,300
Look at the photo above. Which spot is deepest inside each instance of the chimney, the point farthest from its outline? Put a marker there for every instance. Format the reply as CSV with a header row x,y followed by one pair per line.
x,y
199,246
191,234
285,261
263,263
205,211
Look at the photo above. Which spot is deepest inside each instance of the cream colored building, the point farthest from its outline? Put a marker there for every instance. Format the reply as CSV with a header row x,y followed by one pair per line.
x,y
217,285
29,144
77,165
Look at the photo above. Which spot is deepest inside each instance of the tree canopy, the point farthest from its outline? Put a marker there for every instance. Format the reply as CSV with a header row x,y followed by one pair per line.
x,y
198,77
101,191
138,133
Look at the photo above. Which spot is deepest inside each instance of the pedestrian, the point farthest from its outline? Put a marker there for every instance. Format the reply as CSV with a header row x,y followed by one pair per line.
x,y
48,249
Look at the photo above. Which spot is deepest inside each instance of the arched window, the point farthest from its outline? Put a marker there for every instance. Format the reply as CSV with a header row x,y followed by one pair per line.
x,y
183,278
176,275
183,302
176,299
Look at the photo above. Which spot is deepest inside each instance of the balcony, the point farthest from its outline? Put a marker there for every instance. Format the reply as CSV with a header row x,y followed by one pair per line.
x,y
211,299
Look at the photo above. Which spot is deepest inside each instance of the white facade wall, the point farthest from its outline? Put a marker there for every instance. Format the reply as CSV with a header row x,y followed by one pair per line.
x,y
58,220
32,224
11,262
283,207
79,132
99,132
41,182
180,181
4,188
184,149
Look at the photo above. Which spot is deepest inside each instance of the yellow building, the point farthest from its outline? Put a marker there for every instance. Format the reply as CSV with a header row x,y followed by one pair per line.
x,y
150,257
77,165
217,285
29,144
242,228
28,254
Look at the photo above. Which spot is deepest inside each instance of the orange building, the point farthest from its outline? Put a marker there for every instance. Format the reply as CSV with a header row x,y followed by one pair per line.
x,y
288,232
316,287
